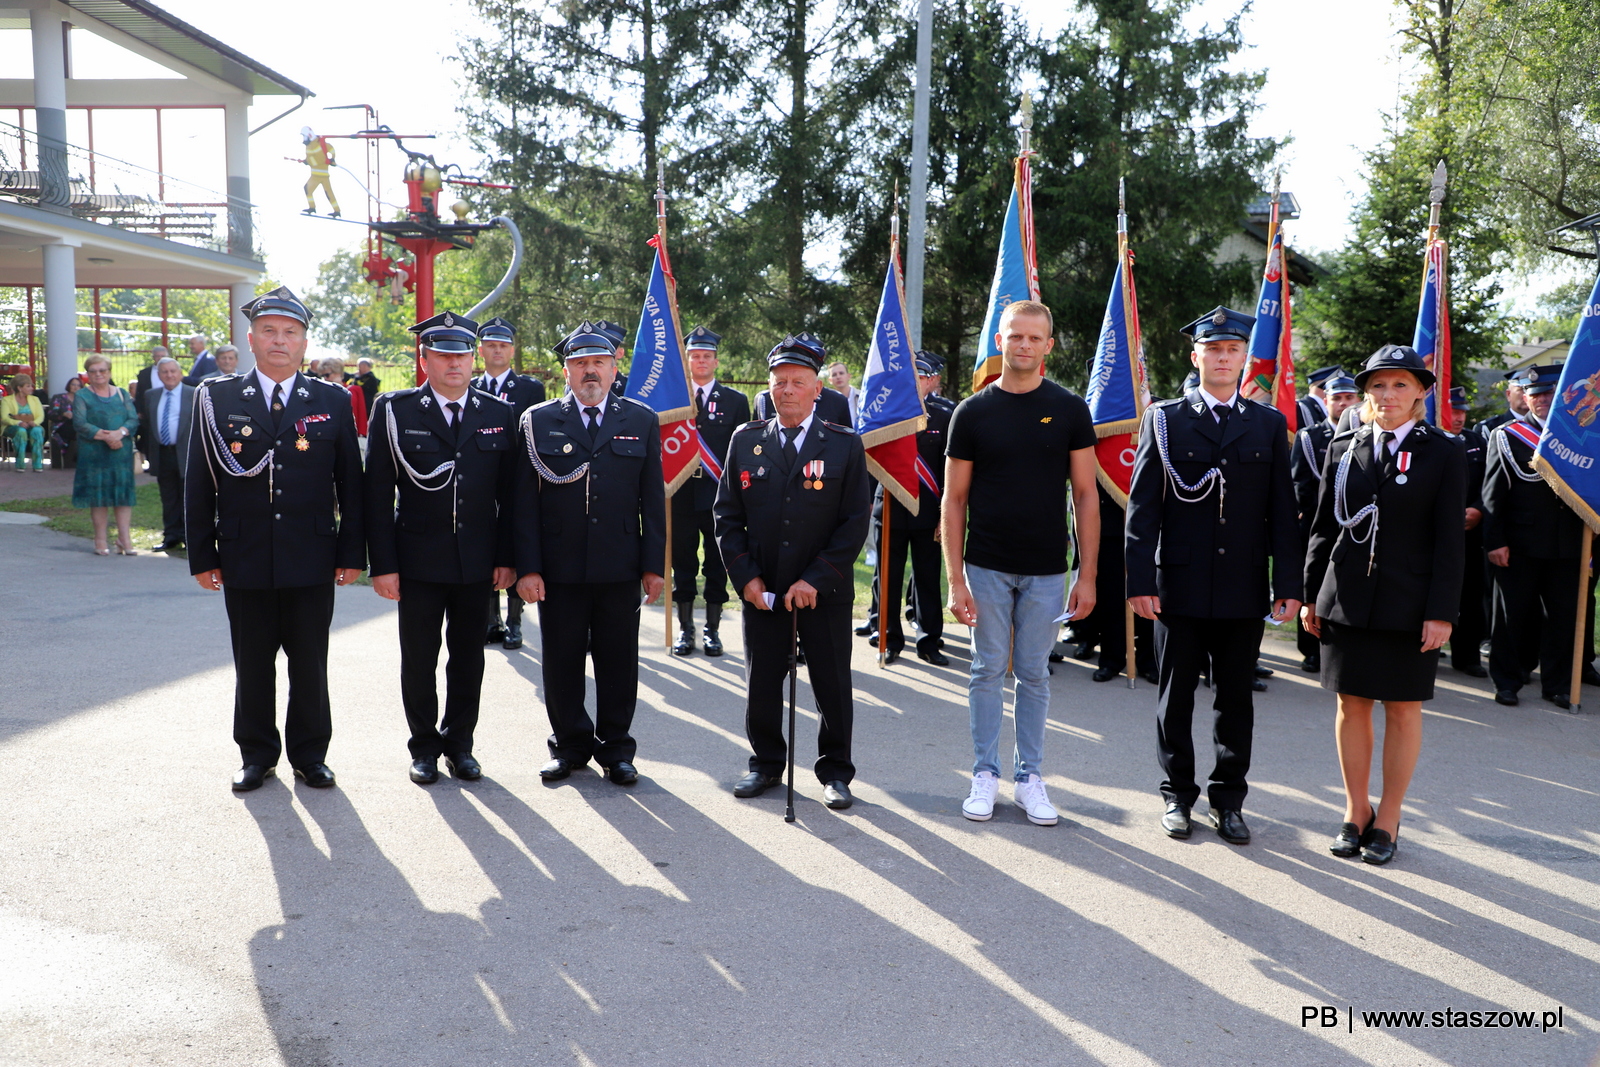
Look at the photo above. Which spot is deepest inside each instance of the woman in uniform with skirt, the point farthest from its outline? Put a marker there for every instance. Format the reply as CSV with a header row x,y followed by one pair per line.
x,y
1385,564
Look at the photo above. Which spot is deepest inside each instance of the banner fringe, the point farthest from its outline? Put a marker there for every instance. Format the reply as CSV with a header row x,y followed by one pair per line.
x,y
894,431
1568,495
892,484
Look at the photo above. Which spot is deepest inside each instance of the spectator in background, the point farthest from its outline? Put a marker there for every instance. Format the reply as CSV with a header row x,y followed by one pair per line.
x,y
166,411
62,433
368,381
106,419
333,371
142,381
22,420
839,378
227,358
205,364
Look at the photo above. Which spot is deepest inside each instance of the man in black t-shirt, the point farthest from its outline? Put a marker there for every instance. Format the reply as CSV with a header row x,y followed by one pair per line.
x,y
1014,447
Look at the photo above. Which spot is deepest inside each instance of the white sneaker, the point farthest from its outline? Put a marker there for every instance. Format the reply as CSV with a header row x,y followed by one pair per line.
x,y
1035,802
979,805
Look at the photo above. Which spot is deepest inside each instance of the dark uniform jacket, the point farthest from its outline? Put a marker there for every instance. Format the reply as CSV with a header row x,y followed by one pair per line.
x,y
1526,515
521,390
1477,467
831,407
1311,410
773,525
609,525
1489,425
1306,461
1199,562
930,447
726,410
300,518
455,534
1421,552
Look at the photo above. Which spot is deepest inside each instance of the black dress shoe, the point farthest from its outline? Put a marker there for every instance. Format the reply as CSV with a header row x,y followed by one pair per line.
x,y
1589,676
1056,657
712,643
1263,672
1176,820
866,629
1230,825
317,775
800,656
837,796
167,546
513,637
1084,651
622,773
556,769
496,634
464,767
424,771
1105,674
1560,700
754,784
933,656
1351,837
1380,848
1149,674
892,656
684,645
873,640
250,776
1508,697
1312,664
1472,670
1258,685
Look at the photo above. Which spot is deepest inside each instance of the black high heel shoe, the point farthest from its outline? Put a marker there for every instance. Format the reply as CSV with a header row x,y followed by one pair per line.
x,y
1351,837
1380,847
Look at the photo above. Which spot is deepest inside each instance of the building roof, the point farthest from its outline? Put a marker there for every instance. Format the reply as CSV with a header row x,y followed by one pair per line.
x,y
167,33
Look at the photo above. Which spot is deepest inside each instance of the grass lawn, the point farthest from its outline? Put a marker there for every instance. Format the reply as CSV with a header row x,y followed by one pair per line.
x,y
62,516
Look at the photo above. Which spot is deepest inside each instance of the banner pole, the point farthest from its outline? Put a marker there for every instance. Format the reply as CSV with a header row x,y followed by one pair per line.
x,y
1579,638
883,582
1127,630
666,590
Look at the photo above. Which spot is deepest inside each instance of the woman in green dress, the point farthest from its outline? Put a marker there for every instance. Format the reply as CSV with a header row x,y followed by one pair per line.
x,y
105,419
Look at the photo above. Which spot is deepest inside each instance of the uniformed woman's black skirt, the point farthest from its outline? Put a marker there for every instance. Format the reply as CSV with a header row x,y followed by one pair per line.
x,y
1376,664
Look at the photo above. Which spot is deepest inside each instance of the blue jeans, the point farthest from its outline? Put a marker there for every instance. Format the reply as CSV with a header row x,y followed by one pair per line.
x,y
1016,628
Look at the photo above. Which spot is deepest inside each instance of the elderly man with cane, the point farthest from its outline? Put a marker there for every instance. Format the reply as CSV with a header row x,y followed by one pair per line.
x,y
791,516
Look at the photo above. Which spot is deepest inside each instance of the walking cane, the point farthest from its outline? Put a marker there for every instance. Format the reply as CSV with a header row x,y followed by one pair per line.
x,y
794,675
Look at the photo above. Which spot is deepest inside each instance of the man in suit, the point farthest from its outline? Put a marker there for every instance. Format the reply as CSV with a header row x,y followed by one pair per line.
x,y
441,468
497,343
205,364
1211,500
369,382
1467,637
719,410
1306,461
168,409
273,514
591,528
143,382
916,536
1533,540
792,513
1313,408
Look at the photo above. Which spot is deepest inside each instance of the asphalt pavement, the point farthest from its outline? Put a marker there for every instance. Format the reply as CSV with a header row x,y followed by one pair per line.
x,y
149,916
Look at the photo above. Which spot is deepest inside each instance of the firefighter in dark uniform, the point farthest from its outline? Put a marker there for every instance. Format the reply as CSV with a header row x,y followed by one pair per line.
x,y
913,535
831,406
440,473
1211,500
617,335
1533,540
792,514
1516,404
1313,407
591,528
718,411
1306,461
497,344
1467,637
273,518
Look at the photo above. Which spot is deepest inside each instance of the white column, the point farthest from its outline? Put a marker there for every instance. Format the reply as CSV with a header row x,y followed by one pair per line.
x,y
50,106
240,294
60,316
917,234
236,146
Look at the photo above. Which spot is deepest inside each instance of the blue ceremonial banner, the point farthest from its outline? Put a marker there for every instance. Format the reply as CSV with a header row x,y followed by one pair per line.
x,y
890,412
1432,336
1113,394
1571,439
659,377
1015,275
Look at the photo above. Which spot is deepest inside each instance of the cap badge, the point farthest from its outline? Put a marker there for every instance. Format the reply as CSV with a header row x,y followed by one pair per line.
x,y
1220,318
1533,375
449,319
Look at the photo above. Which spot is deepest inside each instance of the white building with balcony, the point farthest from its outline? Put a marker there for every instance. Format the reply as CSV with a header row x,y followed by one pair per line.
x,y
74,216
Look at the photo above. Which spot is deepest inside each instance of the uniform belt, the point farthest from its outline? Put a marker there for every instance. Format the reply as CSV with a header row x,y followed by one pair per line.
x,y
699,472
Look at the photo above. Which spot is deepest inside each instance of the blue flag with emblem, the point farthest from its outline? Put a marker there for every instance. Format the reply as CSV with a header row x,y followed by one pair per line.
x,y
1015,275
659,376
1571,439
890,412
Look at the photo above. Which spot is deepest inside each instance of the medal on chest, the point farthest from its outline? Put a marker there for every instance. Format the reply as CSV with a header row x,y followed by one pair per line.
x,y
1402,463
300,442
811,474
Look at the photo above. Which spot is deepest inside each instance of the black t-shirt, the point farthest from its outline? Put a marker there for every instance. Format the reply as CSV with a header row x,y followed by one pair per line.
x,y
1020,446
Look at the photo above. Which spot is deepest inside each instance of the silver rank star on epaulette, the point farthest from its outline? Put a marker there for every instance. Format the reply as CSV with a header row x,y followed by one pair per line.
x,y
426,400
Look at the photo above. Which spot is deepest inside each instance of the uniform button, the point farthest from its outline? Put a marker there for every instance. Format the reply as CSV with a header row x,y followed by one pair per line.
x,y
277,516
1221,521
1224,463
277,442
277,492
786,522
458,455
785,544
596,520
788,500
277,466
1222,552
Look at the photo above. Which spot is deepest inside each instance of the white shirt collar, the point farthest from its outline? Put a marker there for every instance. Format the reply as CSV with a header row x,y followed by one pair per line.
x,y
1399,437
1212,403
805,429
708,388
267,385
498,380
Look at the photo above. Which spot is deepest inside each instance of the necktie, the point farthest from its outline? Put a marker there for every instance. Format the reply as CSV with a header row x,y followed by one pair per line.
x,y
454,408
1222,411
789,451
494,386
593,415
1388,457
699,402
277,404
169,408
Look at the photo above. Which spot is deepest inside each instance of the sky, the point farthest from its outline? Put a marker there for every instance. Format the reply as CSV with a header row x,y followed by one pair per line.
x,y
1330,80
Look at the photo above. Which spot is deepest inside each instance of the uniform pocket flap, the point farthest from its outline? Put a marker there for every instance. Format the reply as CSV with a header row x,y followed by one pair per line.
x,y
493,442
554,444
626,446
419,442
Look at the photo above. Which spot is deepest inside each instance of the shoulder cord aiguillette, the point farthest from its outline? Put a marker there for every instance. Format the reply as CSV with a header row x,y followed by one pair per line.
x,y
1201,489
545,473
447,468
1511,463
1311,455
1341,513
217,448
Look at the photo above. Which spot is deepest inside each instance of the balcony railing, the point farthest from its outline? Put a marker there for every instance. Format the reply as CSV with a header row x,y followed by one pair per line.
x,y
111,192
